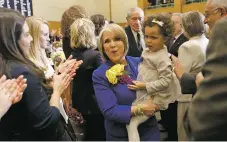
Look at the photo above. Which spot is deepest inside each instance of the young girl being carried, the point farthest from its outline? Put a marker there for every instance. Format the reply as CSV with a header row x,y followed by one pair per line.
x,y
155,79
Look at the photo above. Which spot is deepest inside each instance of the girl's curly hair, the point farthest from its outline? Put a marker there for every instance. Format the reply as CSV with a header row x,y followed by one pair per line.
x,y
166,29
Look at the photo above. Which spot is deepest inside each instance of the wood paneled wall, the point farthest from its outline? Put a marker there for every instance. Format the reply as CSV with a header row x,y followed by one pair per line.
x,y
54,25
179,6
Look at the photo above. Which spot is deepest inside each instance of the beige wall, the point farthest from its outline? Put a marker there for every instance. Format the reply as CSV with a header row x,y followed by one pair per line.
x,y
120,8
52,10
96,7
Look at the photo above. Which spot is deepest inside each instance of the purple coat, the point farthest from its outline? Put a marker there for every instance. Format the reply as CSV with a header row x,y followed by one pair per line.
x,y
115,104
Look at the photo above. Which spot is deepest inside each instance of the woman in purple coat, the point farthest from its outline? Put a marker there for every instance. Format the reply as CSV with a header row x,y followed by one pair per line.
x,y
110,83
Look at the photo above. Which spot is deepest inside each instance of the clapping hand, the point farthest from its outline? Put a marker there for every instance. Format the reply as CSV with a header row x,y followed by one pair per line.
x,y
11,91
21,86
69,63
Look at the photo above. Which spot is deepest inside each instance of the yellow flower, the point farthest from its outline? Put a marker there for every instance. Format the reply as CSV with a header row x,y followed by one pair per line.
x,y
113,72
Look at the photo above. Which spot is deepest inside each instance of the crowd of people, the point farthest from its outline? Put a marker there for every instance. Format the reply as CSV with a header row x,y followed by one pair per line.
x,y
114,81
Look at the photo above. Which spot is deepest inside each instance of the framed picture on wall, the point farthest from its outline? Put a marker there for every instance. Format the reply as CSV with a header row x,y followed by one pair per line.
x,y
23,6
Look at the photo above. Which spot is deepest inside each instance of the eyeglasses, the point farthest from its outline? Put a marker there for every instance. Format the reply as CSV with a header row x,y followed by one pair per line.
x,y
207,15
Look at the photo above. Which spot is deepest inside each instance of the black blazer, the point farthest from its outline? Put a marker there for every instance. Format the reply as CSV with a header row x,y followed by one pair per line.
x,y
83,98
174,48
133,49
32,118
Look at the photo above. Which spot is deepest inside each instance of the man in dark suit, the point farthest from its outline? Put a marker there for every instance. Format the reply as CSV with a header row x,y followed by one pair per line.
x,y
136,43
178,37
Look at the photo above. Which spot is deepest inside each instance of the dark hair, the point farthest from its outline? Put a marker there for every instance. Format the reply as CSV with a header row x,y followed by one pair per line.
x,y
99,21
11,28
166,29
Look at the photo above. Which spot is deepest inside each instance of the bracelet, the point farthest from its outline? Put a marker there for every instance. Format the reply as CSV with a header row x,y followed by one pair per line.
x,y
140,112
134,112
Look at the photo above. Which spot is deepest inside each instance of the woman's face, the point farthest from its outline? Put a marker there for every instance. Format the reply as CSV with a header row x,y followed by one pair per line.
x,y
44,36
25,39
113,47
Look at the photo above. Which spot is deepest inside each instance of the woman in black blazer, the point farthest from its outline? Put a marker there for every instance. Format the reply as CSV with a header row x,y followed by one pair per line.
x,y
83,43
35,117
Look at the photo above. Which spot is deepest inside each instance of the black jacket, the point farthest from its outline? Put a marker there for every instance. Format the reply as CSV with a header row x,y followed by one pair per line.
x,y
174,48
32,118
133,49
83,98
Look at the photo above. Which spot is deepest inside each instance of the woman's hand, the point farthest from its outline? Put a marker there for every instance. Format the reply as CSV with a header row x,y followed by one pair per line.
x,y
10,92
149,108
69,63
62,81
137,85
21,86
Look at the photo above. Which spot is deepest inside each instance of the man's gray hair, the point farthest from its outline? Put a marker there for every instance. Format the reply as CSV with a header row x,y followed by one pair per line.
x,y
133,10
218,3
177,14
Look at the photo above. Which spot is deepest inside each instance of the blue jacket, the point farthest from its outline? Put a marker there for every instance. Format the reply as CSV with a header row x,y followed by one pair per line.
x,y
115,104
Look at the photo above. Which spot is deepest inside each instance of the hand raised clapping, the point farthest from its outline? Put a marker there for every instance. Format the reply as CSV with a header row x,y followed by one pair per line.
x,y
11,91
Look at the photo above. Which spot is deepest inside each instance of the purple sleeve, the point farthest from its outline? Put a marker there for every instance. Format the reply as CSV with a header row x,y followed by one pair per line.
x,y
107,101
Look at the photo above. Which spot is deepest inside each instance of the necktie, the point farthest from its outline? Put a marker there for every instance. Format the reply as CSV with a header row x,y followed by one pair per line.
x,y
138,42
172,40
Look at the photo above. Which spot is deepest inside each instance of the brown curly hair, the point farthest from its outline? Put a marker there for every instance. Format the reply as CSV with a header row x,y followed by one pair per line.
x,y
69,16
166,30
99,22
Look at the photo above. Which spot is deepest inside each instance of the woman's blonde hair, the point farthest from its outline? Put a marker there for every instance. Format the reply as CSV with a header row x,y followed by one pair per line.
x,y
119,32
82,33
37,55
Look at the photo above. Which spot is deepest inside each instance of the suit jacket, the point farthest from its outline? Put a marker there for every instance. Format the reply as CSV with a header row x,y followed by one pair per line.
x,y
32,118
133,49
115,104
207,117
83,98
174,48
192,57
